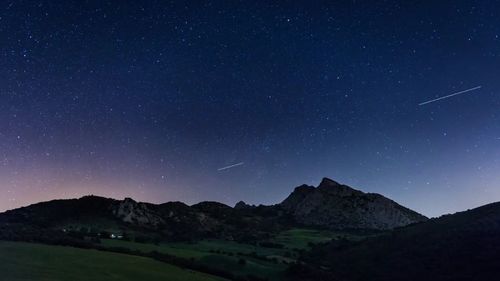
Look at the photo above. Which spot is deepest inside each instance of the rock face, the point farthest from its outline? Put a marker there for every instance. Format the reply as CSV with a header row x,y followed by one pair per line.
x,y
173,218
338,206
135,213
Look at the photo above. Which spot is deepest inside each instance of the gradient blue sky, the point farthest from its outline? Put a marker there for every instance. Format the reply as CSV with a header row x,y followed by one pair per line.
x,y
149,100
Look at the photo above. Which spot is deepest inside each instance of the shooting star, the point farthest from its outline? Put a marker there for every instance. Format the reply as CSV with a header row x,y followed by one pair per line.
x,y
231,166
454,94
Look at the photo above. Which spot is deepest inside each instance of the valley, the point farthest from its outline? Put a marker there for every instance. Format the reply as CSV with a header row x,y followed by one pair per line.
x,y
329,232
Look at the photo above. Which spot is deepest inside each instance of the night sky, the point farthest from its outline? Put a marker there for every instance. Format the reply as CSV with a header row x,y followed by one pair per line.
x,y
152,100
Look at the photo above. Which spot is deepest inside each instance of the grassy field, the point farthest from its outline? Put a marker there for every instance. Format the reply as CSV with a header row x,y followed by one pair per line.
x,y
219,254
300,238
26,261
194,250
260,261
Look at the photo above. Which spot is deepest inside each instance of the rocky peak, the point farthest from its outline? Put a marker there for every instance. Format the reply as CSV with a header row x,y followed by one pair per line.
x,y
328,182
242,205
298,195
339,206
304,189
332,187
136,213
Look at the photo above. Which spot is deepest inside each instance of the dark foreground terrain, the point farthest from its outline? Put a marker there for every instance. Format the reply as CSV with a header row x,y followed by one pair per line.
x,y
29,261
463,246
329,232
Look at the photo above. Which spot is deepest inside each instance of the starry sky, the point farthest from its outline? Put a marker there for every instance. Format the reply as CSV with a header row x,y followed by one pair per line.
x,y
150,99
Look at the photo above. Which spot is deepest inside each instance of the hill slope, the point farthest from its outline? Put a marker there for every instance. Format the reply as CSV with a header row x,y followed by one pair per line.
x,y
463,246
91,215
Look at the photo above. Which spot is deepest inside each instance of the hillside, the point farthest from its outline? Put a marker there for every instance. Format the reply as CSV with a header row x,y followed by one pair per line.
x,y
462,246
92,215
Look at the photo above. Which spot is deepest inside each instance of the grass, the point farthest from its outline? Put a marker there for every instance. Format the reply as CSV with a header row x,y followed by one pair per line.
x,y
219,254
27,261
184,250
299,238
223,254
256,267
194,250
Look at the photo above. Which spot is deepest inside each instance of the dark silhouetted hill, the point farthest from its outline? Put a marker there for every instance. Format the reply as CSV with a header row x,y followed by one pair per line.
x,y
462,246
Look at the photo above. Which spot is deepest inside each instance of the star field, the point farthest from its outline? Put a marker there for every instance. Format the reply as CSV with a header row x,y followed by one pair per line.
x,y
149,100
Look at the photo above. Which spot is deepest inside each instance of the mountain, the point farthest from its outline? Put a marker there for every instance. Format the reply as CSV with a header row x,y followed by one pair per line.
x,y
462,246
338,206
46,221
405,245
330,205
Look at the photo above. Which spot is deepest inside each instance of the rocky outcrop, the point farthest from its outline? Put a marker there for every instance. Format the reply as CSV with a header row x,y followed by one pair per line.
x,y
338,206
139,214
242,206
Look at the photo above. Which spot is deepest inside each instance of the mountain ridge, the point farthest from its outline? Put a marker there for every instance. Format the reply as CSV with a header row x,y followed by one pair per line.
x,y
330,205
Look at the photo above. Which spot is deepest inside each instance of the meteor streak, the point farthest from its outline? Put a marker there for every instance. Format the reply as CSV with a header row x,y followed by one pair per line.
x,y
454,94
230,166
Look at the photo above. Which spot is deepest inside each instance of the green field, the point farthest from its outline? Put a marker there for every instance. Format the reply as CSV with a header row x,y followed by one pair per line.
x,y
301,238
194,250
260,261
218,254
27,262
